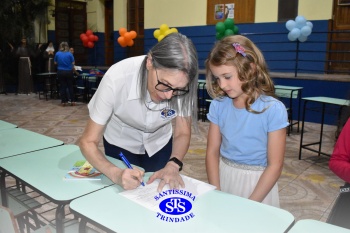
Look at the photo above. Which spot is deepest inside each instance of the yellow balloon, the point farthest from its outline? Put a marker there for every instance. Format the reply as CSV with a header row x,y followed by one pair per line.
x,y
174,30
160,38
156,33
167,32
163,28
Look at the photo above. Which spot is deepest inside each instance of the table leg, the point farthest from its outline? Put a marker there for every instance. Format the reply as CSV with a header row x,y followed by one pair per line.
x,y
3,189
302,130
59,218
321,133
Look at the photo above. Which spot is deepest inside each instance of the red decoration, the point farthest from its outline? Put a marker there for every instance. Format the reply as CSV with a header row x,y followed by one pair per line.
x,y
88,38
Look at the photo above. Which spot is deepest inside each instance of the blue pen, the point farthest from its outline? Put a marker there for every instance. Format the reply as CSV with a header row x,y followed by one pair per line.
x,y
128,164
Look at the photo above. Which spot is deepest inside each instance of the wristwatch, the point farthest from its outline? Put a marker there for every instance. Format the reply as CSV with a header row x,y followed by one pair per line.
x,y
178,162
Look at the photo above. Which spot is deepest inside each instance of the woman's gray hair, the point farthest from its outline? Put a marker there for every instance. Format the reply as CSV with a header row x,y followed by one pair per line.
x,y
64,46
175,51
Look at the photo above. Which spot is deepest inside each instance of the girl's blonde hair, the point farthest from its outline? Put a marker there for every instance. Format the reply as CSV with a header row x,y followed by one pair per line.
x,y
250,64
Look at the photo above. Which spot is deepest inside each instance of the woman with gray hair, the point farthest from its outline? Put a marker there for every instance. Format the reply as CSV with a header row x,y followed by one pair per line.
x,y
134,107
65,64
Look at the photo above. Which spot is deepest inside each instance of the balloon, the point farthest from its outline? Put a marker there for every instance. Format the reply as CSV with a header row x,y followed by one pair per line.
x,y
308,23
133,34
160,38
300,21
219,35
127,36
90,44
173,30
89,32
156,33
290,24
228,32
96,38
220,27
302,38
130,43
122,31
163,28
121,41
82,35
295,33
305,31
235,30
290,37
229,23
85,38
91,37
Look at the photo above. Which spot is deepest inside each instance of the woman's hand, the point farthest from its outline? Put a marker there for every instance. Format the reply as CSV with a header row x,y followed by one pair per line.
x,y
168,175
128,178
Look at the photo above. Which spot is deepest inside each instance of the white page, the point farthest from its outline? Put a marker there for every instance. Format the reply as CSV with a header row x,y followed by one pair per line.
x,y
144,195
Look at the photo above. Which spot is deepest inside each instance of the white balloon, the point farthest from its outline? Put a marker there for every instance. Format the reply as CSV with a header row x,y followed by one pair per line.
x,y
305,31
290,24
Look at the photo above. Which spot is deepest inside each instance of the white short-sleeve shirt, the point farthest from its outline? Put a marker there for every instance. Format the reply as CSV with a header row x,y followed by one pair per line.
x,y
129,123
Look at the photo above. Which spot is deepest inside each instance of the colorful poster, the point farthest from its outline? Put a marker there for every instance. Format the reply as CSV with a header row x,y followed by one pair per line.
x,y
219,11
230,11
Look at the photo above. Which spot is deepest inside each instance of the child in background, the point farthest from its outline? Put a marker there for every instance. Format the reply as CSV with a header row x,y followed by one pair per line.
x,y
247,132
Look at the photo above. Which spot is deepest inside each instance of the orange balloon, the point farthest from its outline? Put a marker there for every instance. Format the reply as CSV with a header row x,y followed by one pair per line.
x,y
133,34
121,41
130,43
89,32
122,31
127,36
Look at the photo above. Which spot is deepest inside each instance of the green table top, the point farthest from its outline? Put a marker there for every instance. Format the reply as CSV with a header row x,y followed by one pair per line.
x,y
309,225
44,170
213,211
6,125
18,141
328,100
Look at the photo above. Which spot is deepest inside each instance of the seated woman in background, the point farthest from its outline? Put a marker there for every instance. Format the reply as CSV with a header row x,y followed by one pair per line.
x,y
339,163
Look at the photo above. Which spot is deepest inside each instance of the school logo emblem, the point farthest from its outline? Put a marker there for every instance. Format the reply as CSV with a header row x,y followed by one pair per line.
x,y
175,205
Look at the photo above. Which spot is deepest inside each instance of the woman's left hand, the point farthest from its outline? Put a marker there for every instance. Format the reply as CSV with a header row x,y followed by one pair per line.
x,y
168,175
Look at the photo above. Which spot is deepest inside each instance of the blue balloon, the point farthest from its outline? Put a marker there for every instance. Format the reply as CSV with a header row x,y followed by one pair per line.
x,y
300,21
290,24
305,31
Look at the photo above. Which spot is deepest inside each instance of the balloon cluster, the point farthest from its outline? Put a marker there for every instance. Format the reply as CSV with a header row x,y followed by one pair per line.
x,y
299,29
163,31
88,38
126,38
226,28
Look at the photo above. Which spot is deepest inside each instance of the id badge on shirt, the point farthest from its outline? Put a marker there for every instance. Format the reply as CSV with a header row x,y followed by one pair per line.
x,y
168,113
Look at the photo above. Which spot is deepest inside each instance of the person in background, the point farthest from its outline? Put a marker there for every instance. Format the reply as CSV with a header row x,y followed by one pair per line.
x,y
49,55
339,164
247,131
75,72
134,107
25,54
65,63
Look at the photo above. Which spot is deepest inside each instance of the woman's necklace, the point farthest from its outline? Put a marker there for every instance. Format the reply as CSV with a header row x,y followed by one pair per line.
x,y
166,108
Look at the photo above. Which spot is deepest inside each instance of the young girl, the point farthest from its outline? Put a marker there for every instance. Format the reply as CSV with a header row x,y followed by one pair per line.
x,y
247,132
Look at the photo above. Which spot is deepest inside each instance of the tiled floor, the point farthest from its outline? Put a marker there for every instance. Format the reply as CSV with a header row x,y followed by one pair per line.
x,y
307,187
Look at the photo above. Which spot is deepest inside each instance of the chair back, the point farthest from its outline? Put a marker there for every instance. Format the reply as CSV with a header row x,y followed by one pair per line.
x,y
8,223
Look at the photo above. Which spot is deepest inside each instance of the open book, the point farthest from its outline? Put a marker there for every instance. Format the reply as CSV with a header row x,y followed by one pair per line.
x,y
83,170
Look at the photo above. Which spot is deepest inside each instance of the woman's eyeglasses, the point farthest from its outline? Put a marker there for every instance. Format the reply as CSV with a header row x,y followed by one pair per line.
x,y
165,88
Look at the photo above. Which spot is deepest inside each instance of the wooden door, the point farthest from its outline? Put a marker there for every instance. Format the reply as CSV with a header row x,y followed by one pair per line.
x,y
339,41
135,21
70,20
109,38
